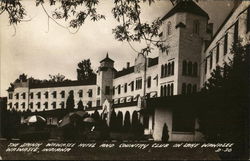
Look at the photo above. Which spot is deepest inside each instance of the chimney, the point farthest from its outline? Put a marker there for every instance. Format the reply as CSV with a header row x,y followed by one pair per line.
x,y
128,64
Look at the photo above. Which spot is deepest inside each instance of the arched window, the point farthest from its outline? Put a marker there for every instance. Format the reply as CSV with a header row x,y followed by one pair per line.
x,y
172,89
162,90
169,28
183,90
166,70
190,68
184,67
189,88
168,90
162,71
169,68
172,68
165,90
194,88
195,69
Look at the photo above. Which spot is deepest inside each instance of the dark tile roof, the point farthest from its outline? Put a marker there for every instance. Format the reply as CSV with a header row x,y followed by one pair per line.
x,y
186,6
153,61
62,84
107,59
124,72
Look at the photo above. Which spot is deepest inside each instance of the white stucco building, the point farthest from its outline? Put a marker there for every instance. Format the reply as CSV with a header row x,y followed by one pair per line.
x,y
192,55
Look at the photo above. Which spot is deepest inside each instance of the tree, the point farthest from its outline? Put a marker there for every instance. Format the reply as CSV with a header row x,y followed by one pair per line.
x,y
135,121
224,117
127,124
96,116
57,78
119,121
113,121
165,135
84,71
70,103
80,105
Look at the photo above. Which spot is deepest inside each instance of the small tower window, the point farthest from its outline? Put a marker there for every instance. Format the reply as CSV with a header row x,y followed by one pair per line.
x,y
196,27
190,66
184,67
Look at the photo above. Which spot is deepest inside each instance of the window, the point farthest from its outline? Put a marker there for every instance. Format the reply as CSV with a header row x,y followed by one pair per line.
x,y
46,105
149,82
89,104
169,28
190,68
62,94
168,90
10,105
23,105
31,95
16,104
80,92
236,31
107,90
206,66
98,102
162,71
10,96
225,43
165,70
165,90
38,95
248,19
172,89
162,88
195,69
172,67
90,93
183,121
119,89
217,53
184,67
138,84
132,86
62,104
46,94
196,27
17,95
31,105
169,68
38,104
189,88
183,89
24,95
54,94
53,105
99,90
125,87
211,61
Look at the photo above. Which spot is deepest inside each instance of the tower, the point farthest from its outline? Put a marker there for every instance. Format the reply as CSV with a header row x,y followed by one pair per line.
x,y
184,29
105,76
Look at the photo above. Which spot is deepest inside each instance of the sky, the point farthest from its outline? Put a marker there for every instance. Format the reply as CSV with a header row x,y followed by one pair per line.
x,y
38,52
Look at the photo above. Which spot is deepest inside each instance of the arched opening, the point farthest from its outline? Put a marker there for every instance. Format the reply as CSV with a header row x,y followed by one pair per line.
x,y
195,69
172,67
168,90
184,67
190,68
189,88
169,68
183,90
166,70
172,89
165,90
127,124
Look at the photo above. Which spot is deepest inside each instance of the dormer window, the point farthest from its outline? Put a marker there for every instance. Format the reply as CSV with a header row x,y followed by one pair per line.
x,y
169,29
196,27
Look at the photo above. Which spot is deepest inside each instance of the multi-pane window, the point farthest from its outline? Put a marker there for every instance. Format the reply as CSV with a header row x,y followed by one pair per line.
x,y
167,90
90,92
149,82
217,53
46,94
107,90
225,43
62,94
188,89
80,92
138,84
